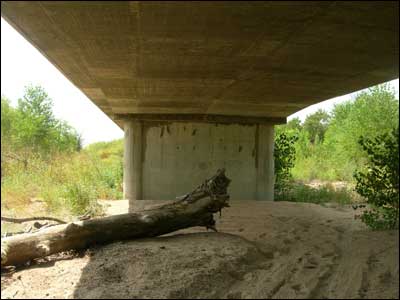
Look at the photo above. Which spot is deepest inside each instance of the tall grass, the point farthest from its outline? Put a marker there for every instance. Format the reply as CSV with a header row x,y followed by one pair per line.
x,y
71,182
299,192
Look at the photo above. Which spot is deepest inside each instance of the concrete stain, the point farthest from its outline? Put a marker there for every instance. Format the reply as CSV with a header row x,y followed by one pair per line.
x,y
146,126
208,153
162,131
256,145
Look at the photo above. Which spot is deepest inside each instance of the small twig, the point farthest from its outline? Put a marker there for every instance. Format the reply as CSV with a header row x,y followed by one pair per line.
x,y
7,270
212,227
22,220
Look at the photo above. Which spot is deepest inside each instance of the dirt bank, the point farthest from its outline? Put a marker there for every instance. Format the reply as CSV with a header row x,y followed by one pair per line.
x,y
263,250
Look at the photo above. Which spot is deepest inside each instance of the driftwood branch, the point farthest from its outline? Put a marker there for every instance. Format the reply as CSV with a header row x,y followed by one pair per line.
x,y
23,220
193,209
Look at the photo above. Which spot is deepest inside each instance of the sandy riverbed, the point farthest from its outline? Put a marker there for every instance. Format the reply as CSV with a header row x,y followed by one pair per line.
x,y
263,250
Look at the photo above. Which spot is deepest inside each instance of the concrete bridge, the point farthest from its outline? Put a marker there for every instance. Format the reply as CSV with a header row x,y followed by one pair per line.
x,y
199,85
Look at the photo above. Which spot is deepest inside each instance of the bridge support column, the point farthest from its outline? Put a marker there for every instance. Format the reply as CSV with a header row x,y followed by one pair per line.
x,y
265,162
133,141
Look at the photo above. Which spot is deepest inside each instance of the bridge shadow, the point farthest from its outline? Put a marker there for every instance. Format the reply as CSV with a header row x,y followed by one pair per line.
x,y
135,268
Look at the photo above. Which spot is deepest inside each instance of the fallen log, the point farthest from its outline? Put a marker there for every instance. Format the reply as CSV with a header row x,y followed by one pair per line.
x,y
193,209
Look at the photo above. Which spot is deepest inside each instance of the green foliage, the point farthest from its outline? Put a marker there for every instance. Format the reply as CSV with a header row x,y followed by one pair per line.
x,y
294,125
7,118
68,182
109,167
337,154
41,158
32,128
379,182
80,197
284,155
373,112
316,124
326,147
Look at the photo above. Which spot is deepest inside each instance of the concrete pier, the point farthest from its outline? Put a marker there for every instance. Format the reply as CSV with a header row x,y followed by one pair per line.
x,y
164,160
133,143
265,163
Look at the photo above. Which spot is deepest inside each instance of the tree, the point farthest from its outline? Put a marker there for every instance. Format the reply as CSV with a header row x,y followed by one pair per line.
x,y
7,119
294,124
316,124
36,121
379,183
371,113
292,127
37,130
31,130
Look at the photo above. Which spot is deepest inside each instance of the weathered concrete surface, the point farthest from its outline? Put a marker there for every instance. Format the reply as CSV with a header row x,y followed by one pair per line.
x,y
266,59
133,144
177,157
265,162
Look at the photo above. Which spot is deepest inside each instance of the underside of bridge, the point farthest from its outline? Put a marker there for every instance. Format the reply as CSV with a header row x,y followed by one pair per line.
x,y
199,85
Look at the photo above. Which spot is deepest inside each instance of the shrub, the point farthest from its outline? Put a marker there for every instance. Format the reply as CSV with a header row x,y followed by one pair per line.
x,y
299,192
284,156
79,196
379,182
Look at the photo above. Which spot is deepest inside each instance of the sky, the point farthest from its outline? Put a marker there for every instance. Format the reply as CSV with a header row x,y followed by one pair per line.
x,y
22,64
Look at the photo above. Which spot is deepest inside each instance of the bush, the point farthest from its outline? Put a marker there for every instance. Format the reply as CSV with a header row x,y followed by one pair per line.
x,y
299,192
379,182
80,197
284,156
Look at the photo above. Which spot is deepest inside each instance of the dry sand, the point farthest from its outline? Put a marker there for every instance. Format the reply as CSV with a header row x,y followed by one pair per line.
x,y
263,250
